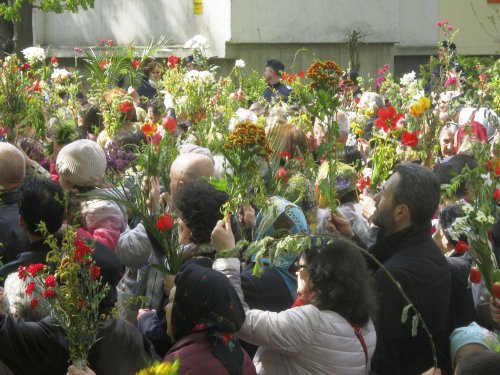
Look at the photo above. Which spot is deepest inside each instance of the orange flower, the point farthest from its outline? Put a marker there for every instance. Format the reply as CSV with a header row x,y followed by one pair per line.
x,y
148,129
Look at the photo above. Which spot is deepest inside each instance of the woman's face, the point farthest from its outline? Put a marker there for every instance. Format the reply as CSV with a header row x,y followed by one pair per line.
x,y
155,74
303,283
168,311
447,143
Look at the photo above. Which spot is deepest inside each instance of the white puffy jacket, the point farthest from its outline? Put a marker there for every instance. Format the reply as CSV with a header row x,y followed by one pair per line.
x,y
301,340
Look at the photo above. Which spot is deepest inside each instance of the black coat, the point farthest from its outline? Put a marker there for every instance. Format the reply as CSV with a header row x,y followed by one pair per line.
x,y
41,348
12,236
415,261
37,254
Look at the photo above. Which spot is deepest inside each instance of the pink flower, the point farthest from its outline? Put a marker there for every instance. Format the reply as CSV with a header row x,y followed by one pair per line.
x,y
450,81
379,80
382,70
483,77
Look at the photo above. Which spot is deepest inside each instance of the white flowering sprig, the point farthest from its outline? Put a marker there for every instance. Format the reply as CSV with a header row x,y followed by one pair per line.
x,y
34,54
483,189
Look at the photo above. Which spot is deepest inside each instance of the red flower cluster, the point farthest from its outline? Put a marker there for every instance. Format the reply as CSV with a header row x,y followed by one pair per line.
x,y
410,138
290,78
103,64
34,303
363,182
49,293
125,106
165,223
82,251
388,119
50,281
24,67
32,269
95,272
169,124
172,61
30,288
109,42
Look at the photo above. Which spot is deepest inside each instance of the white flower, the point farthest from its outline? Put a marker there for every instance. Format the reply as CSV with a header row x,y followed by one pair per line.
x,y
408,78
481,217
196,42
491,219
467,208
34,53
195,76
60,75
487,179
239,64
242,114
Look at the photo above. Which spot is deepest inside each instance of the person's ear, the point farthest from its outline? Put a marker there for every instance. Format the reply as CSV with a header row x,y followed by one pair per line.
x,y
402,214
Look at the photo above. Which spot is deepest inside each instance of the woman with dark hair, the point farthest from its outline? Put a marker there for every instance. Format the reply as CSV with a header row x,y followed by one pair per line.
x,y
329,330
203,317
152,74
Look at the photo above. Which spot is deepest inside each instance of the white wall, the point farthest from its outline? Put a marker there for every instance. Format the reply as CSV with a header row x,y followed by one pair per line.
x,y
135,21
406,22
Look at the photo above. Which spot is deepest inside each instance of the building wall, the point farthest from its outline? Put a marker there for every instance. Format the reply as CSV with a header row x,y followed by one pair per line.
x,y
471,38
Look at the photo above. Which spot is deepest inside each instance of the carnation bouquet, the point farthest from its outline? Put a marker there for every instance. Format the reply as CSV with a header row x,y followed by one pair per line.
x,y
72,294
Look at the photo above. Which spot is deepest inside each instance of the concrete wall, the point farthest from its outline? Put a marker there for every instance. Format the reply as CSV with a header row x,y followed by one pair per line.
x,y
472,39
137,22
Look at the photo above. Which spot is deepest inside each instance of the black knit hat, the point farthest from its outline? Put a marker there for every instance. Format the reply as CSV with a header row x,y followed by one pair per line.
x,y
276,65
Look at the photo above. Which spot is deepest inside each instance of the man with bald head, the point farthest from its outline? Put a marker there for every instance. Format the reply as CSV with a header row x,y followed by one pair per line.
x,y
12,171
134,246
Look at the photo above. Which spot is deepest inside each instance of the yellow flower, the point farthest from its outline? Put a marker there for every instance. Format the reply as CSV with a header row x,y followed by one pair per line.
x,y
425,102
358,132
416,109
161,368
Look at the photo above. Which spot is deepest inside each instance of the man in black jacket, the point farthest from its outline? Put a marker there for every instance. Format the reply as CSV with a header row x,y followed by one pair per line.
x,y
12,171
404,209
40,200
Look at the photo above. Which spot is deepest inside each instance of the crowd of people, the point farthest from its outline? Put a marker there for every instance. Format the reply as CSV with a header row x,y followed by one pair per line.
x,y
379,287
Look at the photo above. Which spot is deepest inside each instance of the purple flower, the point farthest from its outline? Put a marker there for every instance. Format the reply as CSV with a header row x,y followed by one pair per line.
x,y
78,51
118,160
379,81
342,183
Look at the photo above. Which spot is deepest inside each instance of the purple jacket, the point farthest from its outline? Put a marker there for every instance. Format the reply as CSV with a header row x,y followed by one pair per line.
x,y
196,357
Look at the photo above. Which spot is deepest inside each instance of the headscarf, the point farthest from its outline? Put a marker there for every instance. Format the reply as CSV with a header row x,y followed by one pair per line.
x,y
266,226
205,301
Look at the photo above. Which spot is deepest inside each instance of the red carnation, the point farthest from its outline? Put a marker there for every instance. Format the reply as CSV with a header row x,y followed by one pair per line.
x,y
49,293
24,67
30,288
22,274
165,223
33,269
101,42
169,124
125,106
363,182
461,247
53,60
410,138
50,281
82,304
33,303
95,272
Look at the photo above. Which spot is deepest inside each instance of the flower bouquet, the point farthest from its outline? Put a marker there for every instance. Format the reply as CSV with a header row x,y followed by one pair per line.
x,y
72,294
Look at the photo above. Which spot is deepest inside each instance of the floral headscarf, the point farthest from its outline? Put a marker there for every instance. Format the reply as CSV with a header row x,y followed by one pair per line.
x,y
205,301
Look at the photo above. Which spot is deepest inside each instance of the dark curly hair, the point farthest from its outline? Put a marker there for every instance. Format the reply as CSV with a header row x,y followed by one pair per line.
x,y
199,205
340,279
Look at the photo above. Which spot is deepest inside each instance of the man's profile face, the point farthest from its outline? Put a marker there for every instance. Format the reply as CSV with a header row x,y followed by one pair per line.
x,y
269,74
383,216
